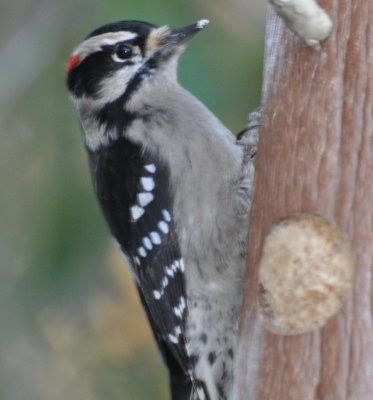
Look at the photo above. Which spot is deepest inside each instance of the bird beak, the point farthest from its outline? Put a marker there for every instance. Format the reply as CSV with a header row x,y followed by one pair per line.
x,y
182,35
164,41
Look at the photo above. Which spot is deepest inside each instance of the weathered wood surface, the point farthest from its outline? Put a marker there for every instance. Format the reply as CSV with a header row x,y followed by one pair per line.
x,y
315,155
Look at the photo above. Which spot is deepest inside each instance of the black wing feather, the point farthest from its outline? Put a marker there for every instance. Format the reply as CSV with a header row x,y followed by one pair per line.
x,y
180,382
117,172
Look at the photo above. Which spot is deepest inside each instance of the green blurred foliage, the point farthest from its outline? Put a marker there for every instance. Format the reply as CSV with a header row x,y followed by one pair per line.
x,y
71,324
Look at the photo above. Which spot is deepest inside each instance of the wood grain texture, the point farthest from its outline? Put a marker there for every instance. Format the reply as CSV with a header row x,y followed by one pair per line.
x,y
315,155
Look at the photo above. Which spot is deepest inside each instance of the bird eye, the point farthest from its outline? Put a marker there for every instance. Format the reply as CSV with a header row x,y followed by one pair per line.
x,y
123,52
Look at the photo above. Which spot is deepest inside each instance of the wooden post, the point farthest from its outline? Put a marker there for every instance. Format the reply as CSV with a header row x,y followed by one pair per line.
x,y
315,155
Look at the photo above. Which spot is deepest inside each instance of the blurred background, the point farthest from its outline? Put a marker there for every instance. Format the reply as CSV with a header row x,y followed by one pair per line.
x,y
71,326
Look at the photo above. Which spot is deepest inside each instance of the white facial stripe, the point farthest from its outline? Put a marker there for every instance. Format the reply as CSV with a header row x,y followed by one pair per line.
x,y
106,39
114,85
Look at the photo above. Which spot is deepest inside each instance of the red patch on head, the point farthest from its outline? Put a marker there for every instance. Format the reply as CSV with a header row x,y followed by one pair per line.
x,y
72,62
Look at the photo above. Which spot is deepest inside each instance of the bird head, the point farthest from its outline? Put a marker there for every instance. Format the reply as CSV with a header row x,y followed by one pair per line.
x,y
116,59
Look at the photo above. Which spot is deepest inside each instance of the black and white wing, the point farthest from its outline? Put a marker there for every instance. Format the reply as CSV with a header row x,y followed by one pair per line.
x,y
133,189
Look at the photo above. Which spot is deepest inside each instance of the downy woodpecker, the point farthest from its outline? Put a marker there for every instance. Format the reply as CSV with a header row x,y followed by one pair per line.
x,y
175,188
